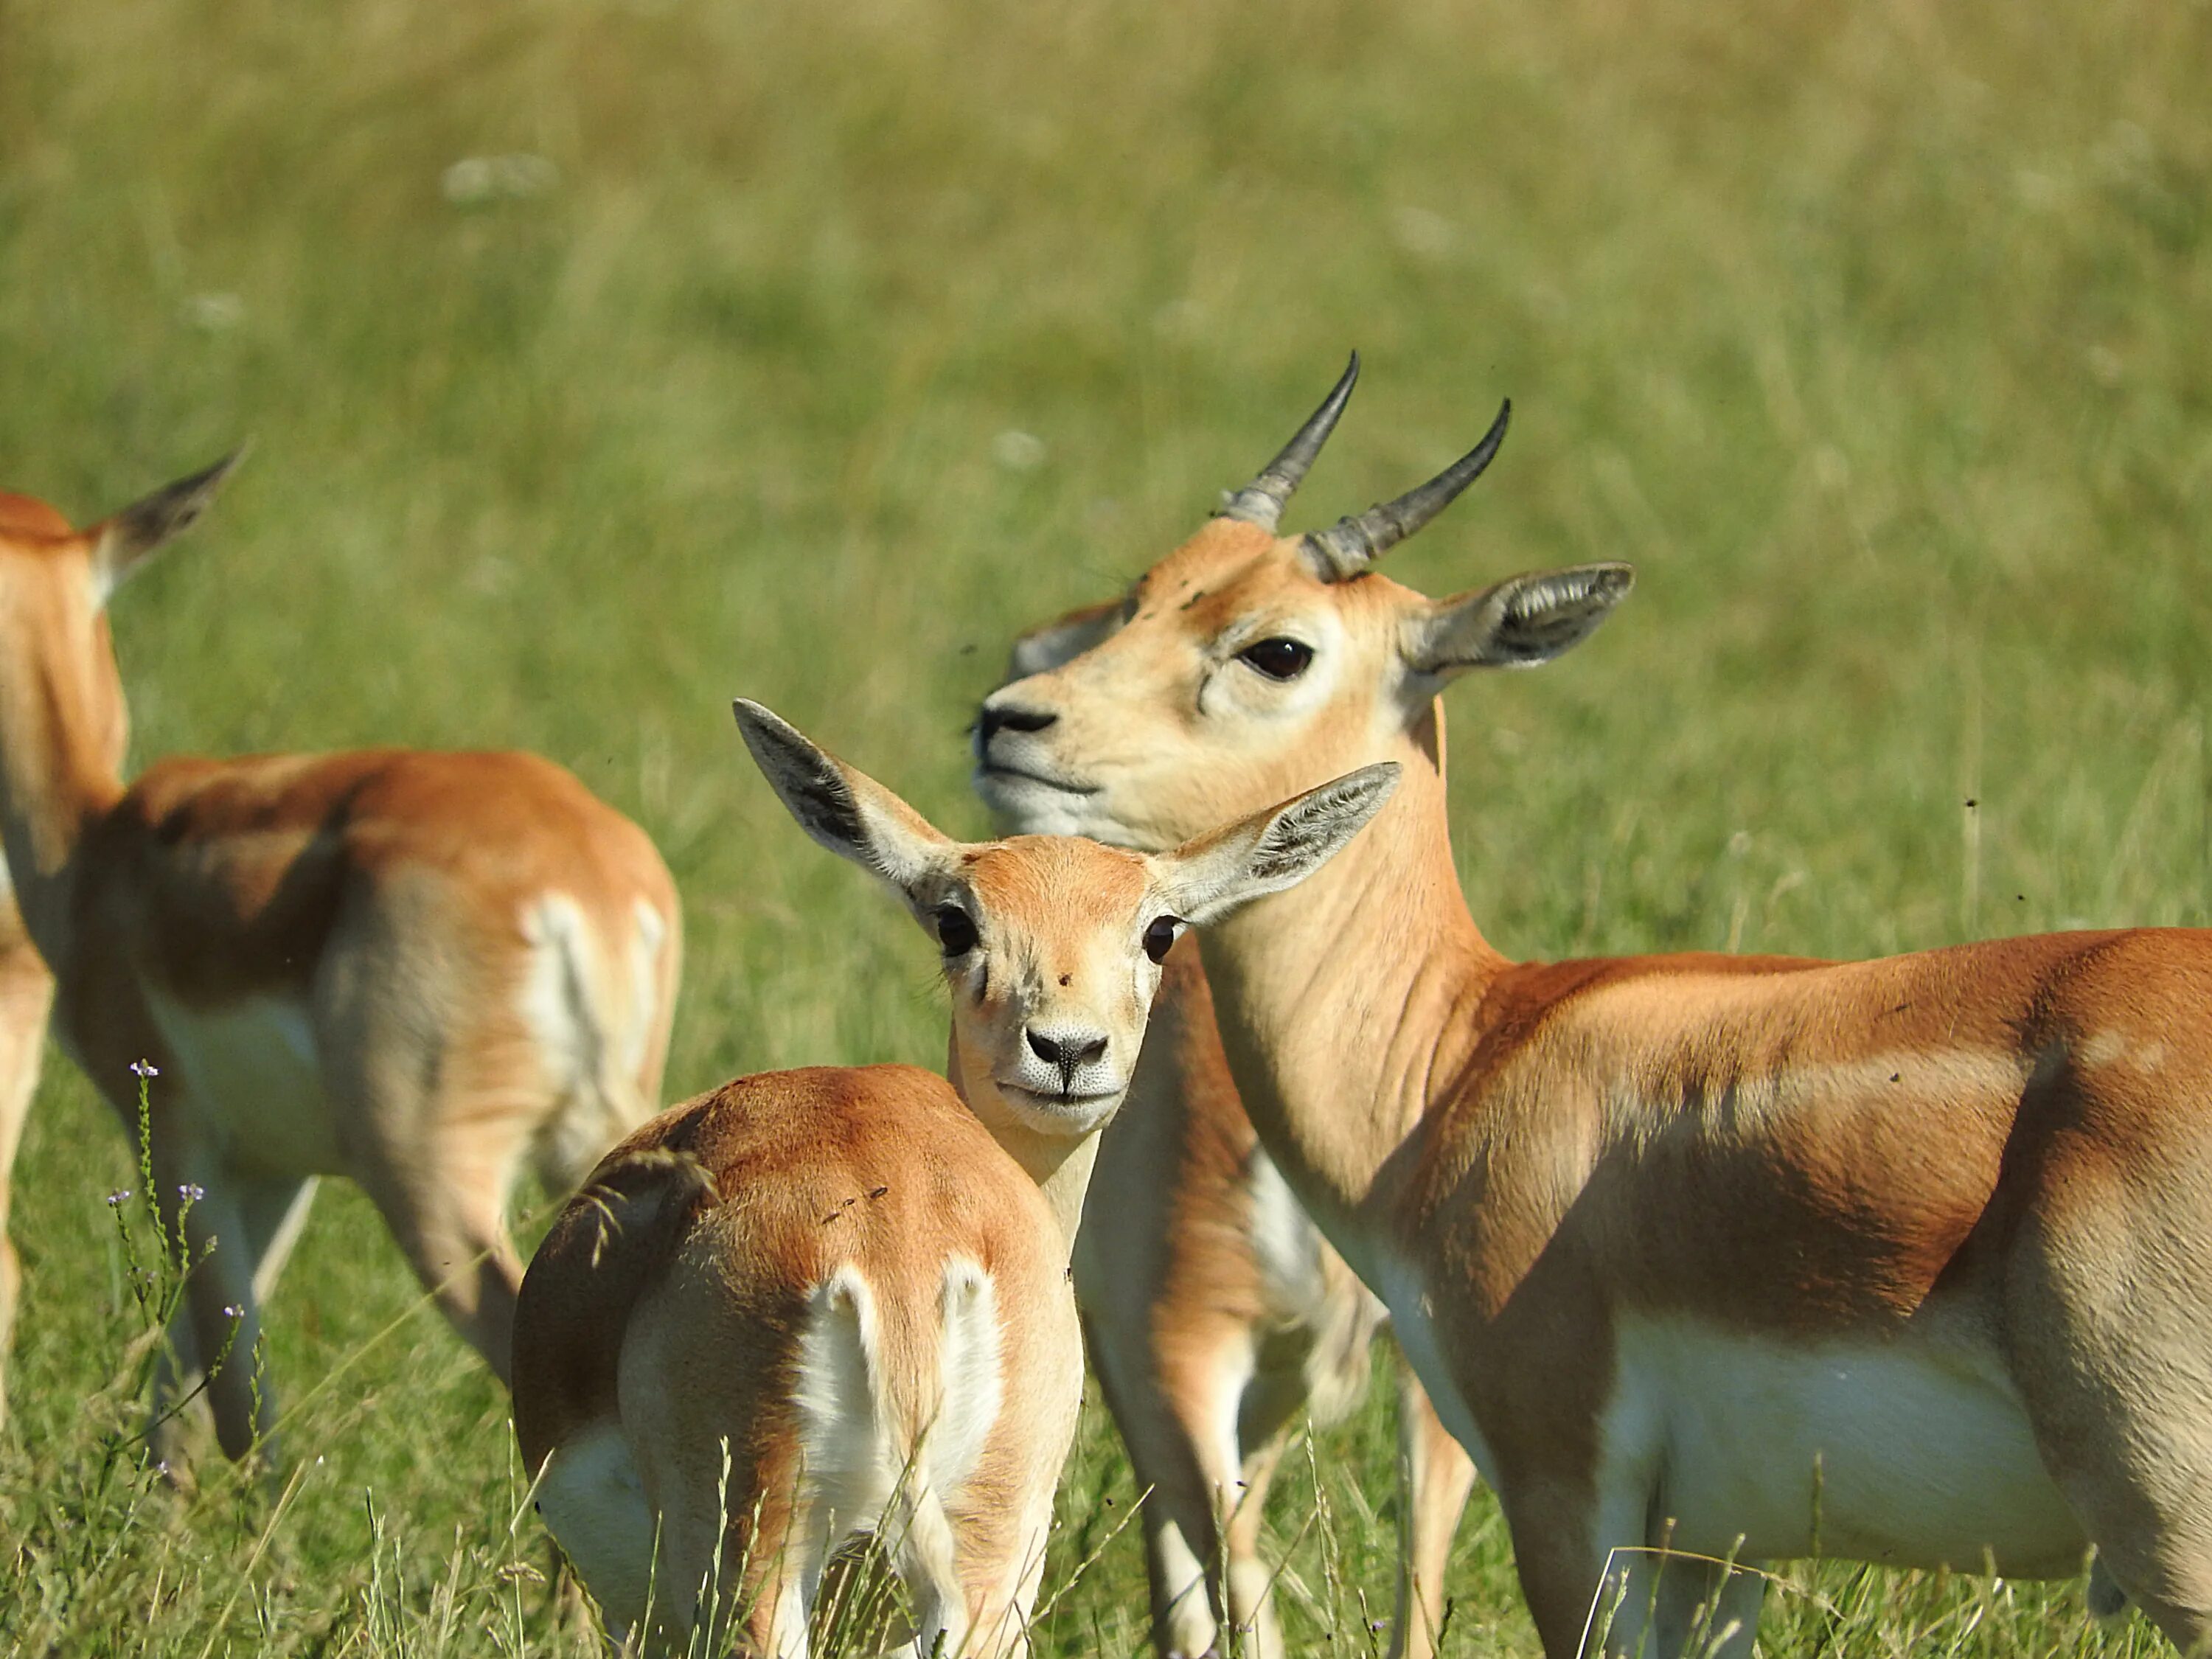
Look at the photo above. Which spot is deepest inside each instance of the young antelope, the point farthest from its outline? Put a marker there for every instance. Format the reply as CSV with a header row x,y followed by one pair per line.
x,y
818,1303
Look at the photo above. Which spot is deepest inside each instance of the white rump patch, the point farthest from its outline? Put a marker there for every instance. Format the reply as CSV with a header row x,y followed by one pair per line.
x,y
645,986
856,1460
557,1003
970,1375
594,1502
588,1067
844,1455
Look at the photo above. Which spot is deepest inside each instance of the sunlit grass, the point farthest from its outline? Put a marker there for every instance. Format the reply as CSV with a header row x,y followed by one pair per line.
x,y
1873,335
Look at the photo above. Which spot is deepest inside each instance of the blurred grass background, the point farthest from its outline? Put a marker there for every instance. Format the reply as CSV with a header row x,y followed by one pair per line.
x,y
808,352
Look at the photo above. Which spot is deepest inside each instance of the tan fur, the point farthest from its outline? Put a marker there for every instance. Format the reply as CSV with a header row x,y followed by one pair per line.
x,y
1985,1171
776,1182
680,1333
385,911
1190,1336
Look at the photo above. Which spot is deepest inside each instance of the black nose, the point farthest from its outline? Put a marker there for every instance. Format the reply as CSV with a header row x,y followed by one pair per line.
x,y
1007,717
1066,1052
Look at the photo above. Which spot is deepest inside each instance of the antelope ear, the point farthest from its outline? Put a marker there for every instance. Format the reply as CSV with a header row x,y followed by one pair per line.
x,y
123,543
1520,622
842,808
1277,847
1049,645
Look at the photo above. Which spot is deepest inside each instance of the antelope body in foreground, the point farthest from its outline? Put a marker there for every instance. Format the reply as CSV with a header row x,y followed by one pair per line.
x,y
1906,1261
820,1303
1217,1319
412,968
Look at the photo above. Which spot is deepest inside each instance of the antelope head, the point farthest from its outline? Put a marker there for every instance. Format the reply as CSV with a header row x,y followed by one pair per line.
x,y
1051,947
1249,664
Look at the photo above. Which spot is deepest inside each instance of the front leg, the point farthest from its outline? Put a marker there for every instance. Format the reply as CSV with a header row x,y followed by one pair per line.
x,y
1664,1605
273,1209
1592,1576
195,1194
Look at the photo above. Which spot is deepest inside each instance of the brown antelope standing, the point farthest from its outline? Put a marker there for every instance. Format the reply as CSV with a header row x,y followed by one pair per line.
x,y
820,1303
1218,1318
1906,1261
411,969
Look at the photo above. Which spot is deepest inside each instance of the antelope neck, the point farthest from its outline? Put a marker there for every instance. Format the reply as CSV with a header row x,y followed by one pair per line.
x,y
54,784
1059,1165
1345,1002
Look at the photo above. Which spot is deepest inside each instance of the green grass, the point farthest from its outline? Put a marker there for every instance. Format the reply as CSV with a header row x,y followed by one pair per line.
x,y
1876,335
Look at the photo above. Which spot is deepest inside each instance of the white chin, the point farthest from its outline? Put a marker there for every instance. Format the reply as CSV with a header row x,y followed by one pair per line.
x,y
1049,1114
1024,806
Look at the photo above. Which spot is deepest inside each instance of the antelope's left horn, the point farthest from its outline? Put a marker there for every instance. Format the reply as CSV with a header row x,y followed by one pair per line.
x,y
1261,501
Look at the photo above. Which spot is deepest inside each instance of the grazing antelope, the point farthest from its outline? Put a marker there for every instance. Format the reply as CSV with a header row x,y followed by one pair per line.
x,y
1218,1317
821,1303
1906,1261
411,969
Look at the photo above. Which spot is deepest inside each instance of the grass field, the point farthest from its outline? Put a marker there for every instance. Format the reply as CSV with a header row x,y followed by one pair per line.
x,y
1879,337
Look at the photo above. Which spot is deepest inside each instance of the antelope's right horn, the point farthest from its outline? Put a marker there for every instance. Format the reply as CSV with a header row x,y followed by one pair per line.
x,y
1349,545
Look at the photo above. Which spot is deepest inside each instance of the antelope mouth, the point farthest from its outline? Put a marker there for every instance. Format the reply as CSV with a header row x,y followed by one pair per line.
x,y
1058,1103
990,775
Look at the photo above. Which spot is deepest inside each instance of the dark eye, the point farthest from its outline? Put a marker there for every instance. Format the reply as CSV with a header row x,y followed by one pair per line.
x,y
1279,658
956,931
1161,935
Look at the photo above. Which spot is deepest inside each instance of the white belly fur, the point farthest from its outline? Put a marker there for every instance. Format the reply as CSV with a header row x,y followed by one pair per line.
x,y
594,1502
252,1070
1914,1452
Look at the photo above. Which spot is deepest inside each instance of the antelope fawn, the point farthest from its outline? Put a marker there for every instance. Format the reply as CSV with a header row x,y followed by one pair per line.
x,y
819,1302
1906,1261
407,967
1218,1318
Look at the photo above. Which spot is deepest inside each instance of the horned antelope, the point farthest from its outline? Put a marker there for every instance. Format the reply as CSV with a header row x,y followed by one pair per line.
x,y
411,969
1906,1261
819,1302
1217,1318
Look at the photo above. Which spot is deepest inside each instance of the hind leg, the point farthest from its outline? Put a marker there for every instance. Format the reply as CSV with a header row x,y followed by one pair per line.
x,y
435,1137
735,1565
976,1601
2109,1309
439,1093
451,1226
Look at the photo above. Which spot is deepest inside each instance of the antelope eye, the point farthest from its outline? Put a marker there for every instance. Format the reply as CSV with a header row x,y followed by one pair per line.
x,y
955,929
1279,658
1161,935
